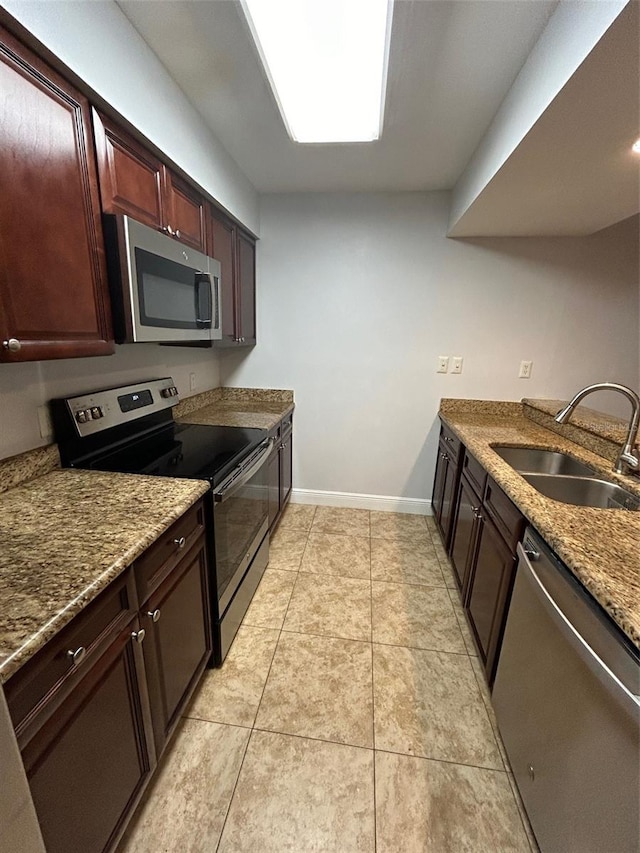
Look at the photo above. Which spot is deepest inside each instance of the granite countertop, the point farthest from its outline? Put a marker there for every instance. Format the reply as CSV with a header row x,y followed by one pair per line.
x,y
241,407
64,537
600,546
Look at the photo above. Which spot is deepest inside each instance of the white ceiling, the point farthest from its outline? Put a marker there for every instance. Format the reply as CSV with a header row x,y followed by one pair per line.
x,y
451,64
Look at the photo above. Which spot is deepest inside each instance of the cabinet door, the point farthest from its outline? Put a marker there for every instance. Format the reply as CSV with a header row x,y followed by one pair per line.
x,y
53,287
489,591
246,287
131,178
463,539
273,477
185,208
442,462
178,640
222,246
87,765
286,468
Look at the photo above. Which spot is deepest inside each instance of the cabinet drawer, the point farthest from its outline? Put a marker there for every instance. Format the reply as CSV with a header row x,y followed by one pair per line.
x,y
49,676
506,516
474,472
451,441
161,557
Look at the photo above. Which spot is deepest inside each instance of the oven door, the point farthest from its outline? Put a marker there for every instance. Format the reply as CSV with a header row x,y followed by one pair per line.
x,y
240,521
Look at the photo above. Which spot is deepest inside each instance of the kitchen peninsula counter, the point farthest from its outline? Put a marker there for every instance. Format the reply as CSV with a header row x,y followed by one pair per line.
x,y
64,537
600,546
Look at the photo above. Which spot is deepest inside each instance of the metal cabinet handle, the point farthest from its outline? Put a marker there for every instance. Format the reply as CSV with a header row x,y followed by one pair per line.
x,y
180,542
138,636
154,615
178,233
13,345
168,230
76,656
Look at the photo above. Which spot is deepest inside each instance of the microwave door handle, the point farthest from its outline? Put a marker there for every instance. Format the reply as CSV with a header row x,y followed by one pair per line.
x,y
203,293
216,302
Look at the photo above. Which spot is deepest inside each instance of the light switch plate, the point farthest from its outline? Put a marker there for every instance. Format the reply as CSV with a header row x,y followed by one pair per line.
x,y
456,364
443,364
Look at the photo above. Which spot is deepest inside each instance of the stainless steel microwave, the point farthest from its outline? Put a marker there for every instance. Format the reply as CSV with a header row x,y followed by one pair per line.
x,y
161,290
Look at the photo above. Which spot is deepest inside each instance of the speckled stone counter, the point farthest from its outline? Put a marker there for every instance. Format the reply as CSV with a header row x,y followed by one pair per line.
x,y
64,537
600,546
243,407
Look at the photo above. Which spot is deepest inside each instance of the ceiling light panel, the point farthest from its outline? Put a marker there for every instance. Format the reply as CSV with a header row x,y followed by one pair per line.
x,y
326,61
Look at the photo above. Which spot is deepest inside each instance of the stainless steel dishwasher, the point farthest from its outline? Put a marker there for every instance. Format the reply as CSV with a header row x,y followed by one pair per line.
x,y
566,696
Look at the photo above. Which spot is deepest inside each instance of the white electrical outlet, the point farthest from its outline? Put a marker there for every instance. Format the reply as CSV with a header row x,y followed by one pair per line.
x,y
443,364
525,370
456,364
44,422
192,382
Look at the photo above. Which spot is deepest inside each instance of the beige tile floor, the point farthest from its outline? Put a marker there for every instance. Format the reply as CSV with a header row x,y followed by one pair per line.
x,y
351,713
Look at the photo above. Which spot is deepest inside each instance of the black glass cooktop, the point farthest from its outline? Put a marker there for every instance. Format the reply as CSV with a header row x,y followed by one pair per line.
x,y
193,451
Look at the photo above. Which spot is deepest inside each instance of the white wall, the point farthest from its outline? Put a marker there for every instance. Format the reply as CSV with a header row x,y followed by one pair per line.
x,y
572,32
24,387
97,41
359,294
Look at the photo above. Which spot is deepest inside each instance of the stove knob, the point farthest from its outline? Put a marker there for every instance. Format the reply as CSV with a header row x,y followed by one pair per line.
x,y
96,413
166,392
174,391
81,417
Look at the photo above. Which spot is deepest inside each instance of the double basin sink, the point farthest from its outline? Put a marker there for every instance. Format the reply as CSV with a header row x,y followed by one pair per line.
x,y
563,478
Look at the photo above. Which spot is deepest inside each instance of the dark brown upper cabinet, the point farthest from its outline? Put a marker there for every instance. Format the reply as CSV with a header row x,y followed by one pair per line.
x,y
53,290
135,182
236,251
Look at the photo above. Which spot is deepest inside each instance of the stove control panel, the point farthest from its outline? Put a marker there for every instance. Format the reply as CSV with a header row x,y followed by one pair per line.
x,y
89,414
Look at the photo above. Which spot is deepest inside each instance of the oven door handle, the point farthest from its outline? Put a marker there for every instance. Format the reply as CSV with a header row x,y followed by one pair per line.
x,y
233,484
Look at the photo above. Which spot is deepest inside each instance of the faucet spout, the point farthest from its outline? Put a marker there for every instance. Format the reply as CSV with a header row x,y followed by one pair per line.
x,y
627,458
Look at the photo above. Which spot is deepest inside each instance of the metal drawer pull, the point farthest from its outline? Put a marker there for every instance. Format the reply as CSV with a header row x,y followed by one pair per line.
x,y
180,542
13,345
138,636
76,656
178,233
154,615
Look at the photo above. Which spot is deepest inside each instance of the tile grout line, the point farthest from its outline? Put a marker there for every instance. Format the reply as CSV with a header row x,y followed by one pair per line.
x,y
373,698
255,717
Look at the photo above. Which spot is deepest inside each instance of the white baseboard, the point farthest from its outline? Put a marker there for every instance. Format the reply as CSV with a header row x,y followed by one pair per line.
x,y
384,503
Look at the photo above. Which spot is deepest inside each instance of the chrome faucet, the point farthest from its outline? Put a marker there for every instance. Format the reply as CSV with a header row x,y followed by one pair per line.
x,y
627,460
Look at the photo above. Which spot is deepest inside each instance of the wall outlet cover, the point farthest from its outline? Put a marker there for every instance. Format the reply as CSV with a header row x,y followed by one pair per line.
x,y
44,422
192,382
525,370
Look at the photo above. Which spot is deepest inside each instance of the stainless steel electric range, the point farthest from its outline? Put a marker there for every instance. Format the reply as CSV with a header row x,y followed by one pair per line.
x,y
131,429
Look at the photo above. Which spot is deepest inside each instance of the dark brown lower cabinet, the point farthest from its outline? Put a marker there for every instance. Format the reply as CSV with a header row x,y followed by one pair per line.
x,y
94,708
177,644
445,485
485,529
463,538
88,764
280,469
490,587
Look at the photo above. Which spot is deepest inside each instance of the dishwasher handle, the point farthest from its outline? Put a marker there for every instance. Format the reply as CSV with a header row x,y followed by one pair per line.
x,y
609,680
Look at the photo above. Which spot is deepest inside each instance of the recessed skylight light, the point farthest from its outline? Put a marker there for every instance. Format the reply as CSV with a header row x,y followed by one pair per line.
x,y
327,64
636,146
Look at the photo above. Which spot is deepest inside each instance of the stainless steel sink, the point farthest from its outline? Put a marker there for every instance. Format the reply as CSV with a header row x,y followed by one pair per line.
x,y
583,491
536,461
